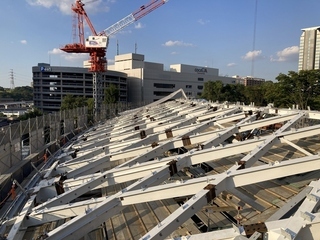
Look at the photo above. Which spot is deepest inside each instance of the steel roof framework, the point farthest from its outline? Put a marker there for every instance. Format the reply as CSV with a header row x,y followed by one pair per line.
x,y
211,145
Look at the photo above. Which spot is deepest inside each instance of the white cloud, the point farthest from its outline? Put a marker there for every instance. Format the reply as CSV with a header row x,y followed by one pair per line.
x,y
256,54
71,57
203,22
231,64
139,25
65,5
55,51
111,61
286,55
171,43
23,41
174,53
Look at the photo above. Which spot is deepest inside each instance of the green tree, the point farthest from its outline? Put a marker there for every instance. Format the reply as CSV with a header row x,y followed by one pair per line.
x,y
111,94
71,102
22,93
300,88
254,94
234,93
90,104
17,94
31,114
213,91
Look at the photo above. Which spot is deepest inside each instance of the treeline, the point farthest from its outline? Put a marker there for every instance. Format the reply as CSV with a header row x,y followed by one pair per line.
x,y
295,88
18,93
111,95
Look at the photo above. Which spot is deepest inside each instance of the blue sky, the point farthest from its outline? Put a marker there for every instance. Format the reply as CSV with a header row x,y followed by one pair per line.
x,y
213,33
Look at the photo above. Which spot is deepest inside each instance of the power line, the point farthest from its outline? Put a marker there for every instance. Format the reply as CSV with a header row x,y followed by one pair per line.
x,y
13,77
254,37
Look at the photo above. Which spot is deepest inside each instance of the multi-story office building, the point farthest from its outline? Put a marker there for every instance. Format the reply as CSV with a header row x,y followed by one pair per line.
x,y
52,83
309,53
148,81
137,80
248,81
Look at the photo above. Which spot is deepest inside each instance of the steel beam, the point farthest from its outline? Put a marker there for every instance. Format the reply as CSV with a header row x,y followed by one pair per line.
x,y
225,234
116,175
259,151
183,131
224,135
18,230
178,217
80,225
85,222
228,180
77,192
290,206
220,112
74,168
294,226
201,156
194,157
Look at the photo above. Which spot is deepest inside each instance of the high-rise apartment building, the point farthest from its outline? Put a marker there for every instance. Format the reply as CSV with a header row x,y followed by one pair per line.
x,y
309,53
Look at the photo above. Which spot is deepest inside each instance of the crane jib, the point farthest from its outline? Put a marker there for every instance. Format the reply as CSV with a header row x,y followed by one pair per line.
x,y
119,25
141,12
145,9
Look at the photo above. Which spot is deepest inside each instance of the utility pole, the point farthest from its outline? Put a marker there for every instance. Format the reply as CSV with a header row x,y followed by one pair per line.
x,y
11,79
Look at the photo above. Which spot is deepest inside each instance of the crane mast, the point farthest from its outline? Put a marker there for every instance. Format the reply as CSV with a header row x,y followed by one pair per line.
x,y
96,44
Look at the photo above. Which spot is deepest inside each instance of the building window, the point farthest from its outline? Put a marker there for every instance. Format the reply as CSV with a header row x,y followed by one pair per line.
x,y
159,93
50,74
72,75
200,79
200,87
88,76
188,86
164,85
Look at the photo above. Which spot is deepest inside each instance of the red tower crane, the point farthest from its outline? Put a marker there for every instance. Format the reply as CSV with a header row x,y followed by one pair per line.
x,y
96,44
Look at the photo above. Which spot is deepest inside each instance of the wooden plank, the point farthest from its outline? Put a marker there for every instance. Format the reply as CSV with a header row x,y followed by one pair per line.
x,y
262,194
120,228
110,231
260,217
148,219
276,189
133,222
159,210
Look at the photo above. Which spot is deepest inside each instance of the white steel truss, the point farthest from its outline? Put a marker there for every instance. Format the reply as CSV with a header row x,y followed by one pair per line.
x,y
132,147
